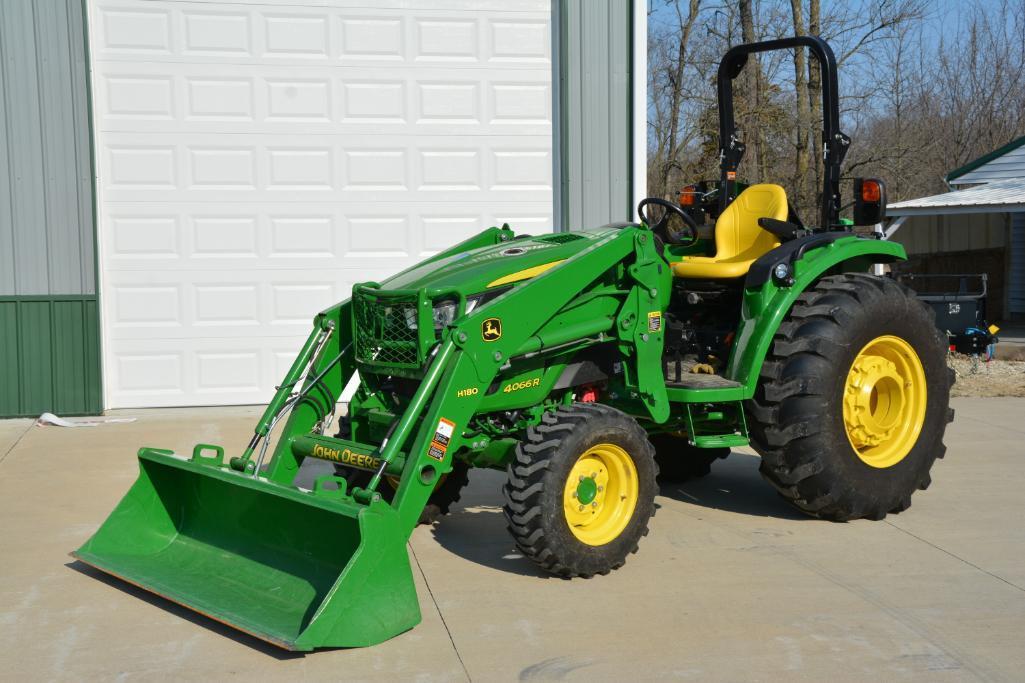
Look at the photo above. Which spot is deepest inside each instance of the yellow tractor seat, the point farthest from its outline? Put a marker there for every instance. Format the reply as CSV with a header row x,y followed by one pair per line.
x,y
739,240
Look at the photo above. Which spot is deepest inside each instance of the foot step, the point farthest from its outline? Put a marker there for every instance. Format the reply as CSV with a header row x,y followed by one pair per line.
x,y
696,380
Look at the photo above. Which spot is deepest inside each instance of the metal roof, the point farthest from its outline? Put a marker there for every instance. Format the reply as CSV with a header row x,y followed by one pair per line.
x,y
1003,196
1001,164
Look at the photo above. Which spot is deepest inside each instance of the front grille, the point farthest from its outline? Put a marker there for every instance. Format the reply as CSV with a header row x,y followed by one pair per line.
x,y
560,238
386,331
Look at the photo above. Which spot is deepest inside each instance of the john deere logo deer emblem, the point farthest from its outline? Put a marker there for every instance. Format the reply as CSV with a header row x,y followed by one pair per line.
x,y
491,329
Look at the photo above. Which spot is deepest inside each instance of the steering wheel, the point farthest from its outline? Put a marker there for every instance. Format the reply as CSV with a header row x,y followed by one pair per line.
x,y
684,237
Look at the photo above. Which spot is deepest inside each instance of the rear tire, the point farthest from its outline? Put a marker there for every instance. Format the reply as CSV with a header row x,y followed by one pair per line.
x,y
581,490
678,461
852,400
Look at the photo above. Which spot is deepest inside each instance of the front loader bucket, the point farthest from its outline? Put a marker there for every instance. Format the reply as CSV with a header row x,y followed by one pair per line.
x,y
298,569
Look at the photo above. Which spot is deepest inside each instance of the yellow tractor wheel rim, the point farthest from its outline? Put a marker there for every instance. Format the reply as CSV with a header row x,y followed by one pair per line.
x,y
884,401
601,494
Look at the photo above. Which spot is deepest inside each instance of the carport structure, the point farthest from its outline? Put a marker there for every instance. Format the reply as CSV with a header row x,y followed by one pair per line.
x,y
1006,197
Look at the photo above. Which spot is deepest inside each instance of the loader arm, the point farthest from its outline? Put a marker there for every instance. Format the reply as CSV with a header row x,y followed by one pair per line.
x,y
471,354
475,361
331,365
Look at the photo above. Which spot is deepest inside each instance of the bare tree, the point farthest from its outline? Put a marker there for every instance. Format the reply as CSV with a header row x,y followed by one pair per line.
x,y
802,131
979,81
917,105
752,92
945,104
815,100
668,77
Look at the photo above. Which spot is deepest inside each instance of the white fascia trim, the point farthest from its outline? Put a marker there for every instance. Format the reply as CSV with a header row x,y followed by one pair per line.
x,y
639,80
954,210
92,18
556,31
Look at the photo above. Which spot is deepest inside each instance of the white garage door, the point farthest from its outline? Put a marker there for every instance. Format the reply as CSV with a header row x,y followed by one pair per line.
x,y
255,160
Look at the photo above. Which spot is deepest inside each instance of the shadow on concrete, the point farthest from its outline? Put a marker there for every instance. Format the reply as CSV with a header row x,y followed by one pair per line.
x,y
480,536
734,485
185,613
475,528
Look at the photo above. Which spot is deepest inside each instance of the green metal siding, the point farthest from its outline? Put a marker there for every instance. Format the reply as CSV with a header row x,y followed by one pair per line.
x,y
49,356
46,204
593,105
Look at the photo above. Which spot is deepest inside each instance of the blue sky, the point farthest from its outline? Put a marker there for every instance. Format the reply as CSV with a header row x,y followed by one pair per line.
x,y
940,21
939,13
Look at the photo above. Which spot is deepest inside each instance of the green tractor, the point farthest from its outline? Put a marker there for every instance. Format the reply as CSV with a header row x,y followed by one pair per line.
x,y
579,363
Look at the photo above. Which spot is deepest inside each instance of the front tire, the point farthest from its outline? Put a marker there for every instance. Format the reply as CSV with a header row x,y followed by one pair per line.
x,y
853,399
581,490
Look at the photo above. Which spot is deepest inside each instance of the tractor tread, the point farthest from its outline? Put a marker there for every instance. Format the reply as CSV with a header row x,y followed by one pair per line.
x,y
786,414
529,517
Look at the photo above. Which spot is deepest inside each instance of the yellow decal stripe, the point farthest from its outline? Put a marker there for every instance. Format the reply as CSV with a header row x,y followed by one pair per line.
x,y
524,274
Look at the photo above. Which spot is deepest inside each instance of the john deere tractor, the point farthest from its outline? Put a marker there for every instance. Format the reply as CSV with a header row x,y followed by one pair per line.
x,y
578,363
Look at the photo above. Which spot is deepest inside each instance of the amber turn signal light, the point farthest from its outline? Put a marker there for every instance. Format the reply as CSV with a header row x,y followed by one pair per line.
x,y
688,196
870,191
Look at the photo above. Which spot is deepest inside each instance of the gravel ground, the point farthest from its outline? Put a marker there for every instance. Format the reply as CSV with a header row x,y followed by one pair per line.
x,y
995,378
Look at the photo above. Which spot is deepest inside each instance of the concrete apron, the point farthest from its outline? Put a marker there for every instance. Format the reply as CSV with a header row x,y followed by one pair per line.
x,y
730,584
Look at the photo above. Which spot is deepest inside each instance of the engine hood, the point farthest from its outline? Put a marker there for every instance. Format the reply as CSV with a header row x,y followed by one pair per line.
x,y
479,270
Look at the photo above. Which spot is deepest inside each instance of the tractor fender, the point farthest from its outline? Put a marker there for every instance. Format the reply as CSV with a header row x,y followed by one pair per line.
x,y
766,301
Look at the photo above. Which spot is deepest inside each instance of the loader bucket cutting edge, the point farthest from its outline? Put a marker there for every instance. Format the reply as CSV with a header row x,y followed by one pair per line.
x,y
299,570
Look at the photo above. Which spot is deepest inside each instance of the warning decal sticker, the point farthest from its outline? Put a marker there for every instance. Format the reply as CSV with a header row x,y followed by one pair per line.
x,y
442,437
654,321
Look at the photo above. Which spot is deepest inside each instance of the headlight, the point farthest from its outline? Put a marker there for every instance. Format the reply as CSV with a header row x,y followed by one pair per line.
x,y
444,314
445,311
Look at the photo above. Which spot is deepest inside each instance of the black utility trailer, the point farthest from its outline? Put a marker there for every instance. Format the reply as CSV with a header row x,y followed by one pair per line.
x,y
960,305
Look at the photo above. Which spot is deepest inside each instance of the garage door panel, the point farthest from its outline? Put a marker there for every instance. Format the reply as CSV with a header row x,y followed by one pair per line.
x,y
298,33
220,168
237,98
541,6
351,239
200,371
209,304
254,161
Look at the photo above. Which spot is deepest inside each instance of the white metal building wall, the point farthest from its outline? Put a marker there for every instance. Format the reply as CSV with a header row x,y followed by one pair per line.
x,y
1007,166
254,160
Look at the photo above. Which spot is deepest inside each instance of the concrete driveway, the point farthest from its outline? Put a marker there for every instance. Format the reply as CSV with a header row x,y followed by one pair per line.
x,y
731,584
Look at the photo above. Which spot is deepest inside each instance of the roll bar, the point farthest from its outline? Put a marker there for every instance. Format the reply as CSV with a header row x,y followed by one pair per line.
x,y
834,142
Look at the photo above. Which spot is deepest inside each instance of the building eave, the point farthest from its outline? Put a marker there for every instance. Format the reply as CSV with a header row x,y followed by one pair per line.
x,y
984,159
